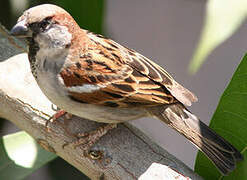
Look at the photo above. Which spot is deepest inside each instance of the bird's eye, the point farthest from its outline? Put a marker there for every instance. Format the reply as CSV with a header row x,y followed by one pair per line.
x,y
43,24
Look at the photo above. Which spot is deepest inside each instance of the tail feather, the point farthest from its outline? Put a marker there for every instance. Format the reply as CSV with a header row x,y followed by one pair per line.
x,y
224,161
216,148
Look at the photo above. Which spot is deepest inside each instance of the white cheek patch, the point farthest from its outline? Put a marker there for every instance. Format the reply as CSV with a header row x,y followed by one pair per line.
x,y
86,88
60,36
56,37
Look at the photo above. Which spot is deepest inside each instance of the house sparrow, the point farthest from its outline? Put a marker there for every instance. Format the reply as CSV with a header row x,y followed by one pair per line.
x,y
93,77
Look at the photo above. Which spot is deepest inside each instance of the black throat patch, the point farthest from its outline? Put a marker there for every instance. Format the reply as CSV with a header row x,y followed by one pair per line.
x,y
33,49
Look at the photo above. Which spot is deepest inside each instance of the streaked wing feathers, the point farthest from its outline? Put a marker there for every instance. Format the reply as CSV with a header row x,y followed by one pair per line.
x,y
121,77
159,75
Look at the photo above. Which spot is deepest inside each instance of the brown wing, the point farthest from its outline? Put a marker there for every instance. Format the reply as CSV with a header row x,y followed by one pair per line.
x,y
157,74
120,77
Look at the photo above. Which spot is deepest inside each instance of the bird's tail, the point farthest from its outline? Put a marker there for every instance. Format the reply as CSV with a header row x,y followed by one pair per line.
x,y
216,148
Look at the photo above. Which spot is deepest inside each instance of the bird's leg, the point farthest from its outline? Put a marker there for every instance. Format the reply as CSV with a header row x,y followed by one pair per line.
x,y
88,139
60,113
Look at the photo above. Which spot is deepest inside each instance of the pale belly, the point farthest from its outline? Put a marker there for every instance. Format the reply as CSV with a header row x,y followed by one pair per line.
x,y
58,96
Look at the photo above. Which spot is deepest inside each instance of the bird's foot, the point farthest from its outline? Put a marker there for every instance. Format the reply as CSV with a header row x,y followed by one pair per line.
x,y
88,139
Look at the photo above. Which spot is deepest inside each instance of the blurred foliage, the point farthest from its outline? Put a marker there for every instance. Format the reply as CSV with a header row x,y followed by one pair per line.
x,y
62,170
20,156
89,14
229,120
222,19
5,14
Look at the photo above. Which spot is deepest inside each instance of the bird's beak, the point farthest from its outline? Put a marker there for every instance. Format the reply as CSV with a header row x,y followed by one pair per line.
x,y
21,30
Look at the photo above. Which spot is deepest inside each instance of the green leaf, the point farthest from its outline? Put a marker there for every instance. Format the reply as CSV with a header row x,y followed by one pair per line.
x,y
89,14
230,121
20,156
222,20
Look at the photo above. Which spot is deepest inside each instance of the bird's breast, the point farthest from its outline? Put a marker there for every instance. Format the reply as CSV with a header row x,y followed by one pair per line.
x,y
50,83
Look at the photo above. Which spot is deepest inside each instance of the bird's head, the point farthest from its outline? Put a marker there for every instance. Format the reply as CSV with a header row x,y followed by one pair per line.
x,y
49,25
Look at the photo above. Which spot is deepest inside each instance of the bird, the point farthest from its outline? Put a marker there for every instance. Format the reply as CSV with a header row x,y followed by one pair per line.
x,y
94,77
